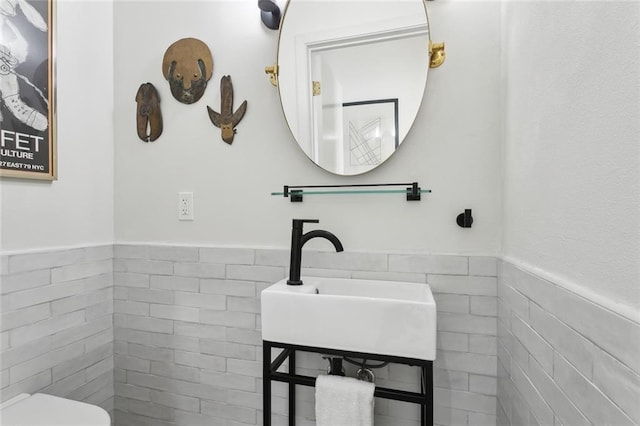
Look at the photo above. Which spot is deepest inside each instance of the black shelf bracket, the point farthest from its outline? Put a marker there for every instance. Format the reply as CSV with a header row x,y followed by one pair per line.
x,y
294,194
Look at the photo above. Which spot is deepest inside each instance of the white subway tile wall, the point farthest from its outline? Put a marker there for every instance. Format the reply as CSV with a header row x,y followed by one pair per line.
x,y
562,359
56,324
188,341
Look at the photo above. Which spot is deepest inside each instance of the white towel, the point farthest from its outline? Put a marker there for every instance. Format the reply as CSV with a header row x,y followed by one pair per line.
x,y
343,401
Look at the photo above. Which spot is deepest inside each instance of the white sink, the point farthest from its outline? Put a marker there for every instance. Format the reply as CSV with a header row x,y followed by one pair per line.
x,y
380,317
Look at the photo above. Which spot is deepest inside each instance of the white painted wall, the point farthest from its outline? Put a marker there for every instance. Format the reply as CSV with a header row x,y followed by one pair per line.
x,y
77,209
454,147
571,152
572,183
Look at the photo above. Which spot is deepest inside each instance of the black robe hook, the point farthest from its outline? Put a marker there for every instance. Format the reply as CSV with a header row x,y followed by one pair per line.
x,y
465,220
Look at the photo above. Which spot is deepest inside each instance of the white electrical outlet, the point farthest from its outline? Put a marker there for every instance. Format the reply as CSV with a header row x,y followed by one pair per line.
x,y
185,205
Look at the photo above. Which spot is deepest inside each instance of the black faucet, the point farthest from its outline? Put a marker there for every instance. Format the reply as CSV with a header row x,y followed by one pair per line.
x,y
298,239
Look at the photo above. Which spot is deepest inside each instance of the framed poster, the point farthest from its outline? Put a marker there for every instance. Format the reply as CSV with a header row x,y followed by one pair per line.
x,y
370,132
27,90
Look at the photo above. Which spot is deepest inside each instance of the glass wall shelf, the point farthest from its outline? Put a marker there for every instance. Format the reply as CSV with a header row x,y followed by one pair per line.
x,y
296,193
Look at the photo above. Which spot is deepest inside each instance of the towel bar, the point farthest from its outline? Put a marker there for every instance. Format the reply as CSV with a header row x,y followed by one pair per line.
x,y
270,373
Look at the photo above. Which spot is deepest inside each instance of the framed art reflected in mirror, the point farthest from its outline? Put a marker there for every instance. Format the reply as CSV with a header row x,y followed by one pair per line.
x,y
27,84
371,127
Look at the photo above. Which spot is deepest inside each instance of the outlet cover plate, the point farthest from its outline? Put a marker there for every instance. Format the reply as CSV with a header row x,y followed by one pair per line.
x,y
185,205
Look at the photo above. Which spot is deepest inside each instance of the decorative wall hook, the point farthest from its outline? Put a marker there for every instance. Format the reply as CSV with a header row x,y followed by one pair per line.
x,y
226,119
465,220
148,115
187,65
273,74
437,54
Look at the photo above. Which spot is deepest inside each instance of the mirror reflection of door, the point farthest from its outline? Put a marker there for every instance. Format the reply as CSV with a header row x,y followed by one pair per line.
x,y
362,53
327,139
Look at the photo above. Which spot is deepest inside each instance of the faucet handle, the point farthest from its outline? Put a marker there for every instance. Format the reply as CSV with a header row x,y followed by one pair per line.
x,y
299,223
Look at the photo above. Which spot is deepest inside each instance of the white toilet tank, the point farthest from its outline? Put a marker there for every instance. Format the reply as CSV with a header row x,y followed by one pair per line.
x,y
40,409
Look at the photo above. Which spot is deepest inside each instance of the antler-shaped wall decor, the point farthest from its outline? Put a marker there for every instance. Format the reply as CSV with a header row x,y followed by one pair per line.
x,y
226,119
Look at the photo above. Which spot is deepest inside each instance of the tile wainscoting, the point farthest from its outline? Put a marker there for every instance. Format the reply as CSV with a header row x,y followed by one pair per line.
x,y
188,341
562,359
170,335
57,324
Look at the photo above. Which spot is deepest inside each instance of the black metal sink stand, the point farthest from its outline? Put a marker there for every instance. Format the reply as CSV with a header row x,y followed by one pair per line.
x,y
269,373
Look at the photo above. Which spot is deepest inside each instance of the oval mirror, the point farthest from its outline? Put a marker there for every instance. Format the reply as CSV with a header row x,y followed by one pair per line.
x,y
351,75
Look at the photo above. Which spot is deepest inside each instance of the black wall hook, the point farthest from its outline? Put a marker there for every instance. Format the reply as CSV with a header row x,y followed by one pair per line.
x,y
465,220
